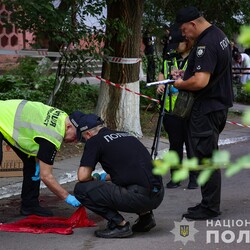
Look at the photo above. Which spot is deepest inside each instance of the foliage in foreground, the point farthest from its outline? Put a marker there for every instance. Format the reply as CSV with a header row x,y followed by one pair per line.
x,y
220,159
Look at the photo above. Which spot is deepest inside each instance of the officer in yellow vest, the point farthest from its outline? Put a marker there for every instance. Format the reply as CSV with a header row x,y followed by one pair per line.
x,y
36,131
174,65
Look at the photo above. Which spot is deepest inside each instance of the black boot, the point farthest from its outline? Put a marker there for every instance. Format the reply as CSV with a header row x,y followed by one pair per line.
x,y
115,231
36,210
144,223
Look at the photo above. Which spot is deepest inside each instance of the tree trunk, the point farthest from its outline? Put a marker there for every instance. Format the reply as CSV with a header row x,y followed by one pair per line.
x,y
119,108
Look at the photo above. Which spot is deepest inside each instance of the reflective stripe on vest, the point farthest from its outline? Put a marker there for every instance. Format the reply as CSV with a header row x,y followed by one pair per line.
x,y
166,69
24,121
18,124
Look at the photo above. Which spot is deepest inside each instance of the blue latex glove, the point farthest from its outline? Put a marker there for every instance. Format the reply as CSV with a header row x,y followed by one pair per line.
x,y
71,200
36,177
100,177
103,176
173,90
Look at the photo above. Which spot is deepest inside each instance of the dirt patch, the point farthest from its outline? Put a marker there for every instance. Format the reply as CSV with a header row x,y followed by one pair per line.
x,y
69,150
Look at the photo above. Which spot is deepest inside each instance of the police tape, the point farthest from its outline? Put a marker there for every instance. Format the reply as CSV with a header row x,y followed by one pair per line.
x,y
122,60
148,97
238,124
121,87
45,52
38,53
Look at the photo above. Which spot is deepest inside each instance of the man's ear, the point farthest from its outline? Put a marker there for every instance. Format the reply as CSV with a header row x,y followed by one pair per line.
x,y
69,125
193,23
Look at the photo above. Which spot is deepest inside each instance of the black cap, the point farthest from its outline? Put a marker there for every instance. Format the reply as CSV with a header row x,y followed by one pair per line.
x,y
187,14
84,122
175,37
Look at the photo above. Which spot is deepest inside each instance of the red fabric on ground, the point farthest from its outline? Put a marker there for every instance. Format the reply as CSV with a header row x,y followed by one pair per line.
x,y
40,225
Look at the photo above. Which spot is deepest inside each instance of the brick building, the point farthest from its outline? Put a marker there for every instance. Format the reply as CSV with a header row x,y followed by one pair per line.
x,y
11,38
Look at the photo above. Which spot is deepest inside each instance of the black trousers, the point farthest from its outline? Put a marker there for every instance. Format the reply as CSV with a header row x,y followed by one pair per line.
x,y
107,199
177,136
30,189
203,137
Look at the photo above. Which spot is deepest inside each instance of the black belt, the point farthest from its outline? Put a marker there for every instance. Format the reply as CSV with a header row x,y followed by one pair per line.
x,y
142,190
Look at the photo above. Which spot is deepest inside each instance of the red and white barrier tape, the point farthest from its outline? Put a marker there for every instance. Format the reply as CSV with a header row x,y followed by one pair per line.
x,y
238,124
121,87
148,97
123,60
44,52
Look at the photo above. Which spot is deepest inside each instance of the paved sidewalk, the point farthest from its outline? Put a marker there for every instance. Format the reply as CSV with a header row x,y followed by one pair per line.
x,y
239,108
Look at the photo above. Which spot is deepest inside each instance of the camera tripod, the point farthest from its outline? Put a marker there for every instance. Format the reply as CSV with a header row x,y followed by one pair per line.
x,y
167,92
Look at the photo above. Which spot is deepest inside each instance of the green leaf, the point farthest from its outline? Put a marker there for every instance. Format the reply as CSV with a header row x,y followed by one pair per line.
x,y
246,87
244,37
204,176
244,161
246,117
180,175
160,167
206,161
191,164
221,157
171,157
233,169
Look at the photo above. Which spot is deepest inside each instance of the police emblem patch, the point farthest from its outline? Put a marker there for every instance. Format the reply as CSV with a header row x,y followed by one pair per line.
x,y
184,230
200,51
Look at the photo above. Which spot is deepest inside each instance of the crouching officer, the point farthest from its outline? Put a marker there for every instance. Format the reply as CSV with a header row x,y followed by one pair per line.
x,y
35,132
133,187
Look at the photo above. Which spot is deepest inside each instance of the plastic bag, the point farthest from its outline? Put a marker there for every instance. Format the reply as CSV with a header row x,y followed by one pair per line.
x,y
40,225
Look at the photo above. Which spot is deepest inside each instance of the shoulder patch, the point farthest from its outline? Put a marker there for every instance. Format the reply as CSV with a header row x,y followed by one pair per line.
x,y
200,51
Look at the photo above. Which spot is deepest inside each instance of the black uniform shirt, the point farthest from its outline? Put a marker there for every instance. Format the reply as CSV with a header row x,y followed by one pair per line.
x,y
47,151
212,53
122,156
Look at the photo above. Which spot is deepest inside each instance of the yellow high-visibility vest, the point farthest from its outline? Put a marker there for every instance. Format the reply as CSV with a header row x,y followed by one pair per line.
x,y
166,76
22,121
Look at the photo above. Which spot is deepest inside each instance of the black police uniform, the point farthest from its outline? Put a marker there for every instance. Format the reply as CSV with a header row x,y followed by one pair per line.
x,y
134,189
31,187
211,53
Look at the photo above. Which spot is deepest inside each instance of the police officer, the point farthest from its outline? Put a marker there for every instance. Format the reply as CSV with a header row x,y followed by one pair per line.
x,y
209,59
133,187
35,132
174,65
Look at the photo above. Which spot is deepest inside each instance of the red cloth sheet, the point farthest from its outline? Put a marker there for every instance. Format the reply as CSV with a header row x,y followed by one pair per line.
x,y
40,225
